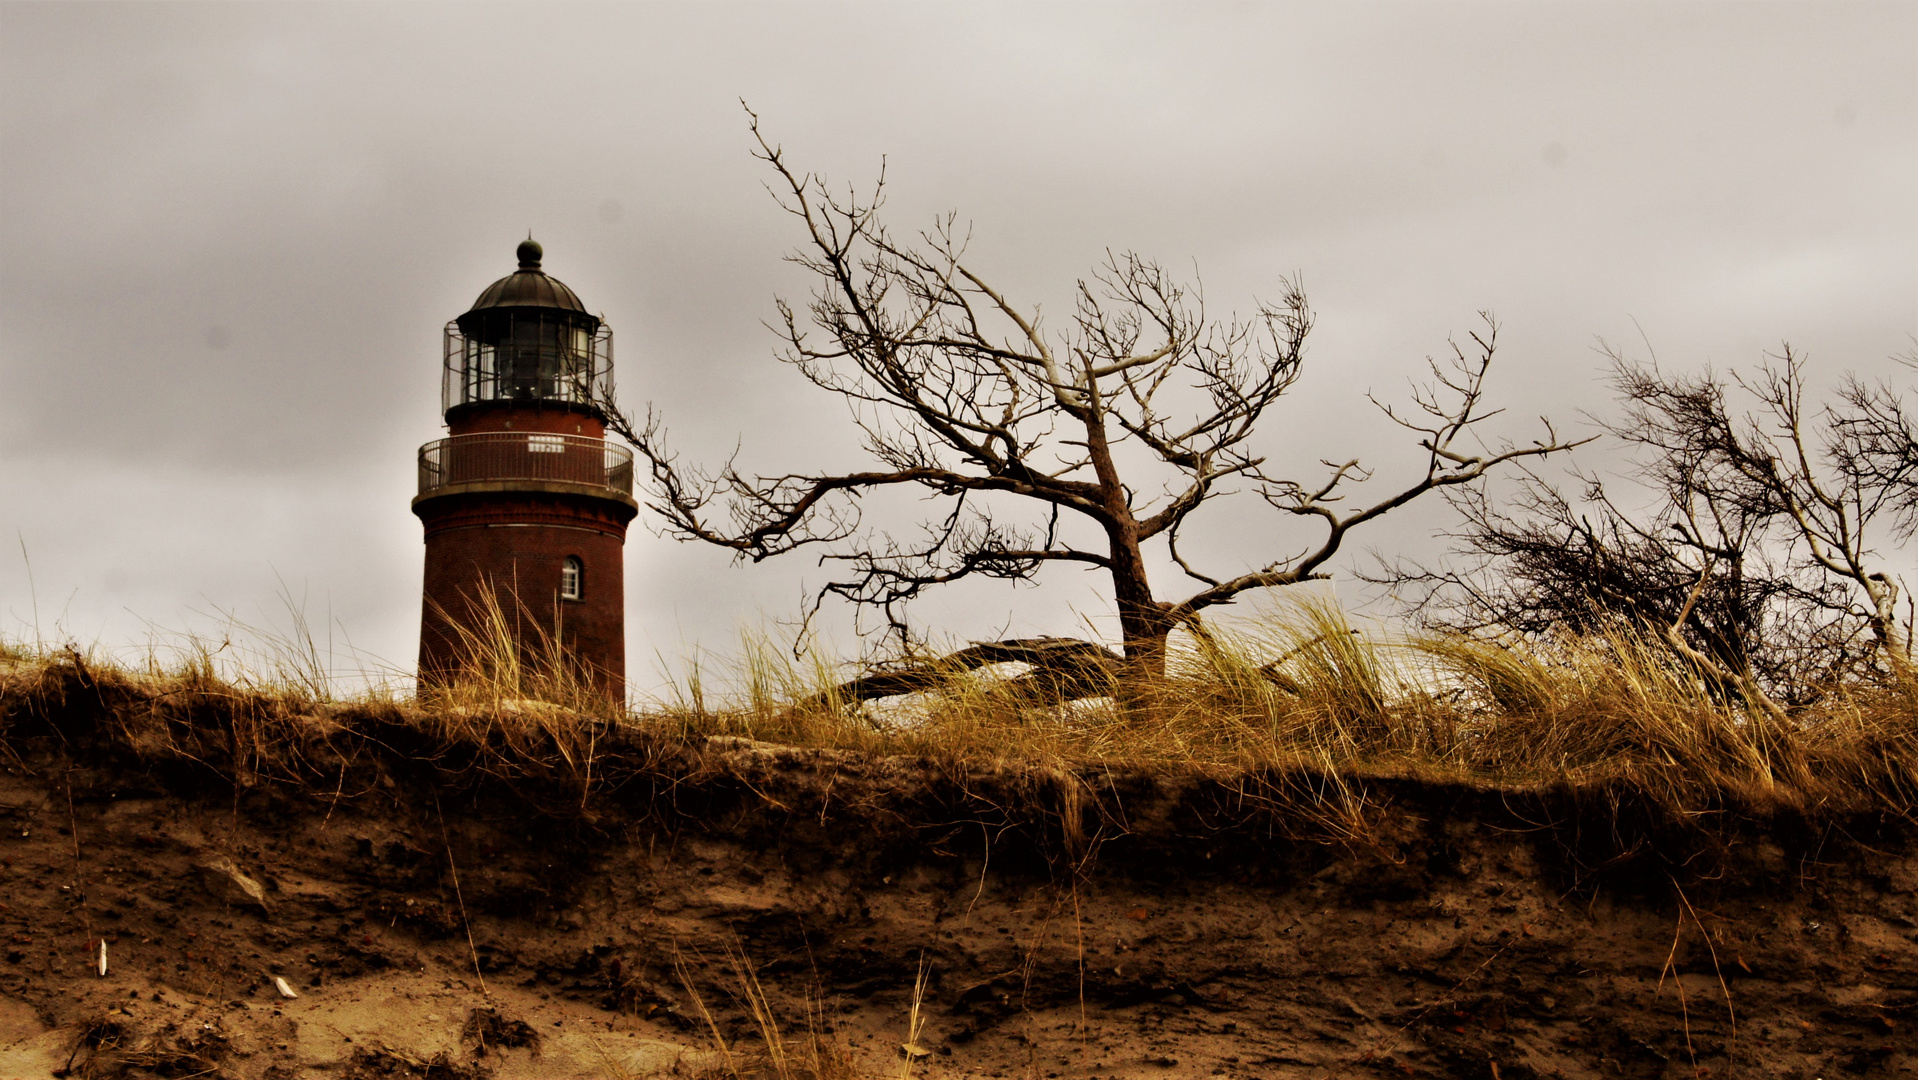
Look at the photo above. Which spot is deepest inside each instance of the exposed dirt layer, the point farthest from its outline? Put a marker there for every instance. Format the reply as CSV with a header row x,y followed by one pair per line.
x,y
446,919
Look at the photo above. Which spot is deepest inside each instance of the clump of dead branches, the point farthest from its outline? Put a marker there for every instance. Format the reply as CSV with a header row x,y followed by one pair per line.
x,y
1755,535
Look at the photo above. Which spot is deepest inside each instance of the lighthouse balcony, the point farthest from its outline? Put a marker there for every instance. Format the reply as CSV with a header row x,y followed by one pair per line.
x,y
526,462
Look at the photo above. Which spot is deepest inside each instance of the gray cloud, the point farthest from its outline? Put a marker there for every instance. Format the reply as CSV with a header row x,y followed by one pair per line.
x,y
232,234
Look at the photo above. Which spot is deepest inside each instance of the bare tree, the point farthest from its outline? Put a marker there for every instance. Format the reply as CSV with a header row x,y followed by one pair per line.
x,y
1757,560
1134,415
1698,571
1834,487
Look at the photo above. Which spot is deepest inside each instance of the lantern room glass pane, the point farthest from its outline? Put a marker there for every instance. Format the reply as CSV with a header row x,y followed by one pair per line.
x,y
527,356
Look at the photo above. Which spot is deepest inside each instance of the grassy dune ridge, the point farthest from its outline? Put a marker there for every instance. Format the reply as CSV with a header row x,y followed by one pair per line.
x,y
1305,710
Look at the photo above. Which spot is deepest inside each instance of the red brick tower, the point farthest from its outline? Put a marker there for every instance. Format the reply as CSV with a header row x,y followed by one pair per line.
x,y
525,499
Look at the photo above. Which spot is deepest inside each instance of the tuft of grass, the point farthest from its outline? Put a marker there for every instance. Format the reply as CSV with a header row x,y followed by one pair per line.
x,y
517,695
504,655
1622,706
779,1053
106,1047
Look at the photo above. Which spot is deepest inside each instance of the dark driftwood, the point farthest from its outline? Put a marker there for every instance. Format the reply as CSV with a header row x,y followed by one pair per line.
x,y
1063,669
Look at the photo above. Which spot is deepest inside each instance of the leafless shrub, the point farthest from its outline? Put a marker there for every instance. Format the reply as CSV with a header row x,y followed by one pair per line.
x,y
1761,561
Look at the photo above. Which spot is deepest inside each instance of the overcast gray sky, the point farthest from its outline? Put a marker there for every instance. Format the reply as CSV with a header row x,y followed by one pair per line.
x,y
232,234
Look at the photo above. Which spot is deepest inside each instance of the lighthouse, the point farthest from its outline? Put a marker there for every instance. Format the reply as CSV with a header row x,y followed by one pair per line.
x,y
525,502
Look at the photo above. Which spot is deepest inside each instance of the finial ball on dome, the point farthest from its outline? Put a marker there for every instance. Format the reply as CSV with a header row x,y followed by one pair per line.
x,y
529,254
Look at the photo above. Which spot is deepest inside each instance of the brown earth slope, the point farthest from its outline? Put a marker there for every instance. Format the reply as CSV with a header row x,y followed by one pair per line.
x,y
440,913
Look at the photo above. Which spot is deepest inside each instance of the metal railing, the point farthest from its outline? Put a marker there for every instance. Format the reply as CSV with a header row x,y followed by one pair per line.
x,y
511,455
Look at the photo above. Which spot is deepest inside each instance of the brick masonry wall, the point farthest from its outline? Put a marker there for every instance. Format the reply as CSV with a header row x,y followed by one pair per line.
x,y
516,543
473,420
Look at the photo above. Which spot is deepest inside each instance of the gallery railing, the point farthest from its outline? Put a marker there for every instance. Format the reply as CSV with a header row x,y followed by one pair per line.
x,y
509,455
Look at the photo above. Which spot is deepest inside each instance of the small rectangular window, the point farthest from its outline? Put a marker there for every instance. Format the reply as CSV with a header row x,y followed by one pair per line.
x,y
569,579
546,444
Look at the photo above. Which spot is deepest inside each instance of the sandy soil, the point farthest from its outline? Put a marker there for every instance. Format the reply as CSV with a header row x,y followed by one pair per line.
x,y
463,930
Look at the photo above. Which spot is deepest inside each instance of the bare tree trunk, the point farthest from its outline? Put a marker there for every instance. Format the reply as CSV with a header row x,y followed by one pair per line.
x,y
1882,591
1143,622
1143,625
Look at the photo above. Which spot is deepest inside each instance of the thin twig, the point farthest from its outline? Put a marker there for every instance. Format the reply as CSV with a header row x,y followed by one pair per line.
x,y
465,923
79,888
1732,1046
1684,1013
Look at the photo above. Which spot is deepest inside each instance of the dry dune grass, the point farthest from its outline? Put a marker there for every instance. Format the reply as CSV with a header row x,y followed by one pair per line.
x,y
503,652
1301,693
1307,690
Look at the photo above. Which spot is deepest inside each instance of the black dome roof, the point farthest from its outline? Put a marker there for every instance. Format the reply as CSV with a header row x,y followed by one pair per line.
x,y
529,286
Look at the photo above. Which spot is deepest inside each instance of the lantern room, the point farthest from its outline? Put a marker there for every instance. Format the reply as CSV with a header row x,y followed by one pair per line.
x,y
526,342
